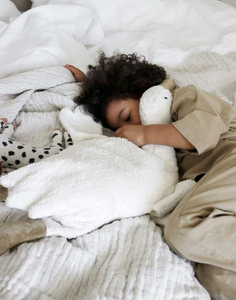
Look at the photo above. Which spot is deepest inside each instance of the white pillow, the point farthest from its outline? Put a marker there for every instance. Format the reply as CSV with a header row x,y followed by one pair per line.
x,y
8,10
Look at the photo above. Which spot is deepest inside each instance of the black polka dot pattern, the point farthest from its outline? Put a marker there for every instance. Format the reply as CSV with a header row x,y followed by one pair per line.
x,y
55,134
15,152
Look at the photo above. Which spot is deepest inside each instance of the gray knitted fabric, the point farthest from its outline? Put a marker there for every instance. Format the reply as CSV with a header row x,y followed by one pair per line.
x,y
211,72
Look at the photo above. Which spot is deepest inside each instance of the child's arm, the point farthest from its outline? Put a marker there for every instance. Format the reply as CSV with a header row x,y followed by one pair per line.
x,y
154,134
166,135
77,73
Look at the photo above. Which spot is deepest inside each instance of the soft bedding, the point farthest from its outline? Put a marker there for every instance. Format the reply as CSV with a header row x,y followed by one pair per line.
x,y
123,260
166,32
98,179
127,258
8,10
33,111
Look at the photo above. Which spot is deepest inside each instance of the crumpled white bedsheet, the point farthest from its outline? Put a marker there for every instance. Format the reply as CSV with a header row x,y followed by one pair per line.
x,y
50,35
74,31
8,10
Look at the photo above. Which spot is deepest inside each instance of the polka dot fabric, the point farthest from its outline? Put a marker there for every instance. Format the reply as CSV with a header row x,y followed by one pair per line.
x,y
15,155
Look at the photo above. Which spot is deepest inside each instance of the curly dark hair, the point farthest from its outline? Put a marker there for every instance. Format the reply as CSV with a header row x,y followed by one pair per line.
x,y
121,76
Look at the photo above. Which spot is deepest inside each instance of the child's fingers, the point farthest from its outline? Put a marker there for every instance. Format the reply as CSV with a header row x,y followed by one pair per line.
x,y
71,68
119,132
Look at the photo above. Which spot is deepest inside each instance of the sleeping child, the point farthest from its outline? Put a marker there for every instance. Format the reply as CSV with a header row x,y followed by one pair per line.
x,y
202,228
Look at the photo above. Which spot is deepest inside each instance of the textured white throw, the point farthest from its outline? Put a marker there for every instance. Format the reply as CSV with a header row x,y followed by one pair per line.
x,y
121,261
211,72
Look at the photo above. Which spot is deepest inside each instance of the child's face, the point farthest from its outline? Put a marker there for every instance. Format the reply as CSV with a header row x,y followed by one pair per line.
x,y
123,112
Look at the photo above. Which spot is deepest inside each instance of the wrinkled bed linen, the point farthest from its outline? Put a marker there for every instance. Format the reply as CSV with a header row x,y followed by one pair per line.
x,y
39,109
74,31
123,260
209,71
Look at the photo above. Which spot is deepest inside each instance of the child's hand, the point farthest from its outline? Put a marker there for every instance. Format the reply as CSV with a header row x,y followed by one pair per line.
x,y
77,73
133,133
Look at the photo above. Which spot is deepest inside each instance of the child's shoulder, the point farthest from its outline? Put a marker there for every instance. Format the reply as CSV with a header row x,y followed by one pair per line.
x,y
184,91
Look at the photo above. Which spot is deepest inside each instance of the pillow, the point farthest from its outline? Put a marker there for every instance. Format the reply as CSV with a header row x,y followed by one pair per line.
x,y
8,10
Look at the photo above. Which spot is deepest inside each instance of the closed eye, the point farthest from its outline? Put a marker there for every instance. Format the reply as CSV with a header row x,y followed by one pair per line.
x,y
128,119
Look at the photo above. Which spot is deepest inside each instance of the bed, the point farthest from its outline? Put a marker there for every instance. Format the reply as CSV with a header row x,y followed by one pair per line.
x,y
125,258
